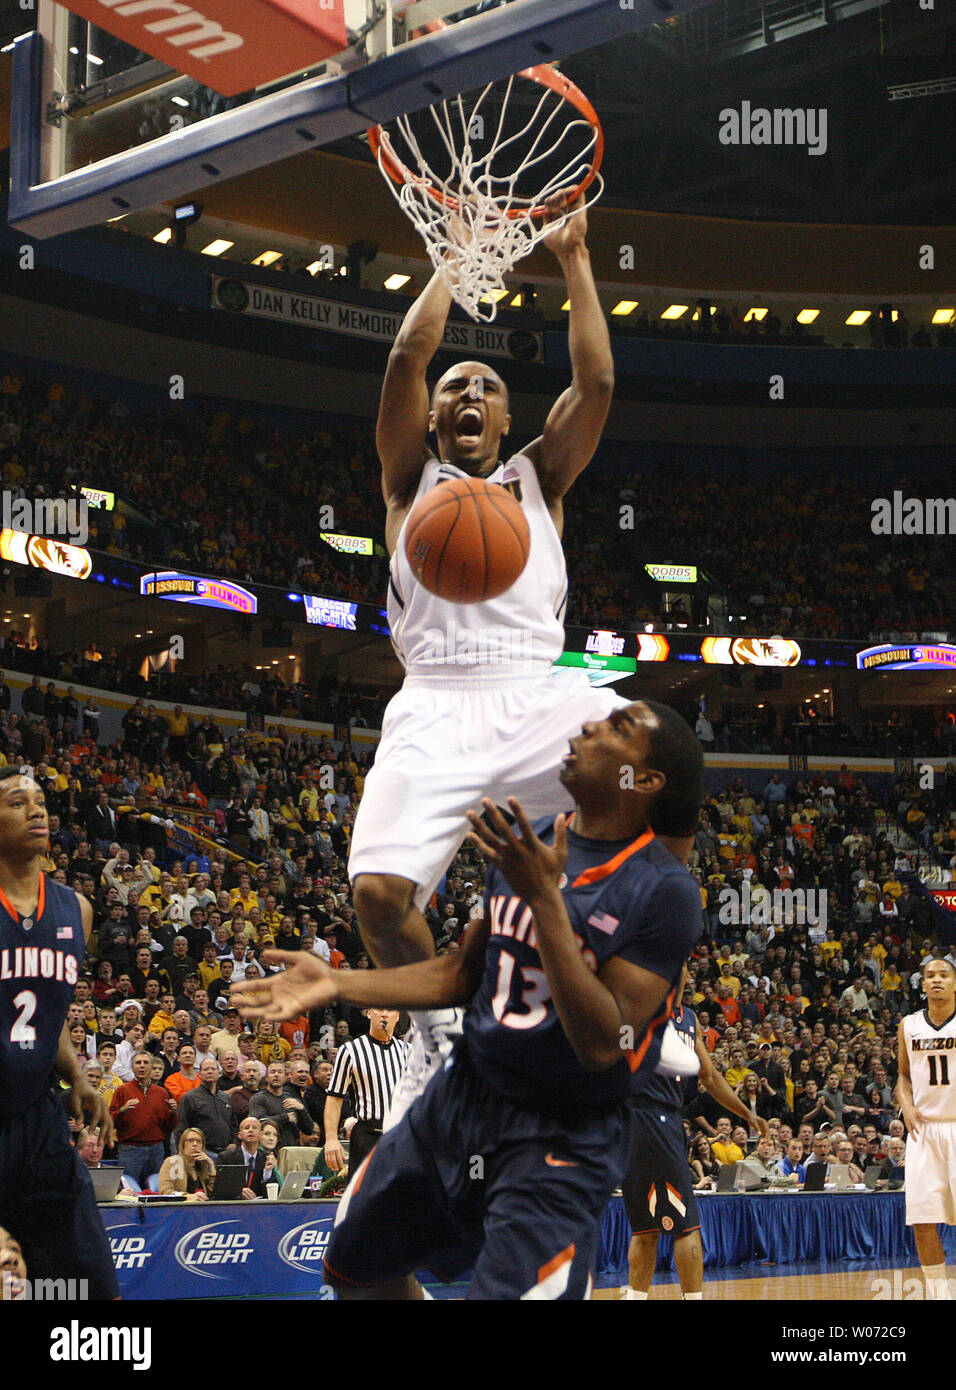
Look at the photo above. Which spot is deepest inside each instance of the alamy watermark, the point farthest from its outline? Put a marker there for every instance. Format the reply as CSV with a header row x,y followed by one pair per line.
x,y
780,125
61,517
14,1289
913,516
455,645
800,906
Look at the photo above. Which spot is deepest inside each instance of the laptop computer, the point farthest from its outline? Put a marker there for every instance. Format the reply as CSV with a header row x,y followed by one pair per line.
x,y
106,1183
871,1176
816,1177
229,1182
293,1185
726,1177
838,1177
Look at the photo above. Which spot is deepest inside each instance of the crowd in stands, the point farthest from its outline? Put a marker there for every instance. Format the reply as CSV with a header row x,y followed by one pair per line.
x,y
230,496
198,854
815,930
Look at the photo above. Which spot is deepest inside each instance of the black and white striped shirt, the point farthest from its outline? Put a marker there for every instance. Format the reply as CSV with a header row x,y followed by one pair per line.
x,y
371,1069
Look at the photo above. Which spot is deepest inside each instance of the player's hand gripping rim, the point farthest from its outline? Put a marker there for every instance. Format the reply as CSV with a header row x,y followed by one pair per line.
x,y
305,983
532,869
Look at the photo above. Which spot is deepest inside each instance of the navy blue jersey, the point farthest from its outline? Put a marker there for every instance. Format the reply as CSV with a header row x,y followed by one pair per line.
x,y
40,958
631,899
669,1091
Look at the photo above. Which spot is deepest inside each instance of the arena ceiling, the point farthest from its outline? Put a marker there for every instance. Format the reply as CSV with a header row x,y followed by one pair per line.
x,y
884,72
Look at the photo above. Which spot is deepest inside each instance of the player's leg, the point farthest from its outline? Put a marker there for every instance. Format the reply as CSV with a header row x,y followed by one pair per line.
x,y
932,1259
689,1259
393,1218
659,1197
52,1210
429,772
547,1185
641,1262
931,1199
394,930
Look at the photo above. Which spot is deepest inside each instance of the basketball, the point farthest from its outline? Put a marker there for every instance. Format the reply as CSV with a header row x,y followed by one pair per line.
x,y
467,540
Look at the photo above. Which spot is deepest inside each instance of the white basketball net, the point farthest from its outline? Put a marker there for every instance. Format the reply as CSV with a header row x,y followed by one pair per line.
x,y
484,226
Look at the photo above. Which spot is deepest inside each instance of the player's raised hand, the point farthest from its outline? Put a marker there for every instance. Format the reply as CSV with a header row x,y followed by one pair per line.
x,y
531,868
569,235
306,983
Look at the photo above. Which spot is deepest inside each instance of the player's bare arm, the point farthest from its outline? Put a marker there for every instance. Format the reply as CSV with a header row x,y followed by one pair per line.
x,y
593,1009
308,983
716,1085
401,434
912,1118
573,429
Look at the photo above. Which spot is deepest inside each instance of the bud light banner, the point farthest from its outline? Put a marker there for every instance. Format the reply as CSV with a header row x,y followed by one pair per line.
x,y
220,1249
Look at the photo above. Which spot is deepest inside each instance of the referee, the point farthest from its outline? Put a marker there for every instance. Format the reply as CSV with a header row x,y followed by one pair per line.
x,y
369,1067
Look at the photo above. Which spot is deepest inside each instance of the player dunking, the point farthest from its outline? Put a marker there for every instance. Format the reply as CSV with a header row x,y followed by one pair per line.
x,y
506,1162
658,1188
463,726
46,1197
926,1091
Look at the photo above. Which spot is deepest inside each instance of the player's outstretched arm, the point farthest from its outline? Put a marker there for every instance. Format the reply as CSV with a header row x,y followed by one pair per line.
x,y
574,426
401,433
717,1086
308,983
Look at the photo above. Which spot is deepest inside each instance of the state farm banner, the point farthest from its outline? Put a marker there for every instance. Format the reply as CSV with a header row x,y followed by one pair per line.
x,y
357,321
228,45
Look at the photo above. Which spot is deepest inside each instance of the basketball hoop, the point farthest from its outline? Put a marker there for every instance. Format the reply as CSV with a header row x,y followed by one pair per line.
x,y
477,219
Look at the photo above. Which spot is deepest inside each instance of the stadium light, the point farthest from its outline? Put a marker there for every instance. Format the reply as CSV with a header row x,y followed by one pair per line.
x,y
858,317
164,237
566,307
758,314
943,315
625,306
266,258
808,315
674,311
217,247
395,282
493,296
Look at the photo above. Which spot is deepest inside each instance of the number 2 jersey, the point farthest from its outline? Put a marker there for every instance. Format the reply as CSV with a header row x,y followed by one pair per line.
x,y
932,1058
631,899
40,957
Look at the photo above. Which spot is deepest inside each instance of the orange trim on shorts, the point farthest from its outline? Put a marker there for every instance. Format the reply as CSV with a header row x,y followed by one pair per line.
x,y
599,871
566,1255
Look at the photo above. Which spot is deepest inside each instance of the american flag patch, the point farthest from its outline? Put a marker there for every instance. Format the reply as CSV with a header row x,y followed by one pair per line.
x,y
64,933
604,922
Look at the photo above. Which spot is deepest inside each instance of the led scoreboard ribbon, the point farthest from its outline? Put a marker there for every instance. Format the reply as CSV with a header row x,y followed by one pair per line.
x,y
939,656
192,588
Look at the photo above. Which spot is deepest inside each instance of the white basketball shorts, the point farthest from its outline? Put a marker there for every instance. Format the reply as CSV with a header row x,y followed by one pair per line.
x,y
445,746
931,1174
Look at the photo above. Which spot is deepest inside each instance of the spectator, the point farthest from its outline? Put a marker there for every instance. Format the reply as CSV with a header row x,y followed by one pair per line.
x,y
190,1170
259,1163
143,1114
208,1109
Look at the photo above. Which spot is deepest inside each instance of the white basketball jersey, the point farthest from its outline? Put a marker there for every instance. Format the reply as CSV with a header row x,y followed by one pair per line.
x,y
521,632
932,1058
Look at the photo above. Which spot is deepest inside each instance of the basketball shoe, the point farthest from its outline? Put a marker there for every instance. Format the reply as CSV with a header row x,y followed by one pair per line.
x,y
434,1034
